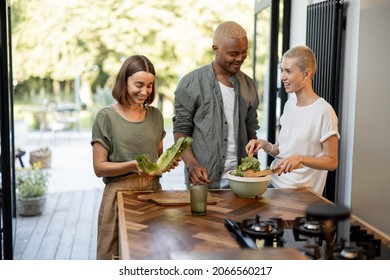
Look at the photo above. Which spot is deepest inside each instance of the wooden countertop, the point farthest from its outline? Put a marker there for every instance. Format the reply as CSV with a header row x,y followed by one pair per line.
x,y
151,231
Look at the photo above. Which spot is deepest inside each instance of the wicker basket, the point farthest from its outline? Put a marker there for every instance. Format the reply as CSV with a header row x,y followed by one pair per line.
x,y
30,206
42,155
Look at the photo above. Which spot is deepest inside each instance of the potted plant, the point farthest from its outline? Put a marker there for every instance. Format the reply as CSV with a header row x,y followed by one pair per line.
x,y
42,155
31,190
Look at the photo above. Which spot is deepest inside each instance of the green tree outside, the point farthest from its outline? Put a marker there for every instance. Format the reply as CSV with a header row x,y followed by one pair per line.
x,y
71,50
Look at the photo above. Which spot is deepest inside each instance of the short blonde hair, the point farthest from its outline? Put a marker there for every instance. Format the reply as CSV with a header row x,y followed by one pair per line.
x,y
228,29
305,58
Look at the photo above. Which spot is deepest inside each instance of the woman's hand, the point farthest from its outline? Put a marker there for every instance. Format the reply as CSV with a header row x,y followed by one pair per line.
x,y
139,171
288,164
254,145
174,164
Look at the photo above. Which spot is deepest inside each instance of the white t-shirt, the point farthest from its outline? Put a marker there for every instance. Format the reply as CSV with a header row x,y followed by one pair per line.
x,y
228,97
303,129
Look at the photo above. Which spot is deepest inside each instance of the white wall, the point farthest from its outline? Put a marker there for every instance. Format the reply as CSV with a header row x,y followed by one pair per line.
x,y
363,172
370,193
348,104
298,22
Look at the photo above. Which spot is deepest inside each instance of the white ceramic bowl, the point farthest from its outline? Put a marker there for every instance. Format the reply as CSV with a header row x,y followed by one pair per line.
x,y
248,187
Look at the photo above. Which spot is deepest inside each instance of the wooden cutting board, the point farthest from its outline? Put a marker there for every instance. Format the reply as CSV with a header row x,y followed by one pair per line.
x,y
170,198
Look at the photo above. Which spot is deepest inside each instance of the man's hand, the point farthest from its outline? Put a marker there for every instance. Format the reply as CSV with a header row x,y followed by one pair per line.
x,y
198,174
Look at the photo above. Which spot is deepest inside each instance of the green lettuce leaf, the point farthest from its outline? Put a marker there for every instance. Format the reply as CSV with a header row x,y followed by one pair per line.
x,y
166,160
176,150
248,163
146,165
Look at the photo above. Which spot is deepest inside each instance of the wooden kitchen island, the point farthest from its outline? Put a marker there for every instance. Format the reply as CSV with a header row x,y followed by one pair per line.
x,y
151,231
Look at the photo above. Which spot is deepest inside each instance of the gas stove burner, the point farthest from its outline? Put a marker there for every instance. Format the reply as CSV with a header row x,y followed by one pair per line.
x,y
313,238
309,228
356,251
312,225
269,229
263,227
351,253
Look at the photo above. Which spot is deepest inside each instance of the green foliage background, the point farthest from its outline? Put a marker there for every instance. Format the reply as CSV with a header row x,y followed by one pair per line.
x,y
62,46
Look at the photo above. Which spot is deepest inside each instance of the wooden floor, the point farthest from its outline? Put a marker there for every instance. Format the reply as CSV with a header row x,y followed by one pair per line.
x,y
66,230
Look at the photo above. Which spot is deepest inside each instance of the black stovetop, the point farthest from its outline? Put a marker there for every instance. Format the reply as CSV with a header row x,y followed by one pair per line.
x,y
313,237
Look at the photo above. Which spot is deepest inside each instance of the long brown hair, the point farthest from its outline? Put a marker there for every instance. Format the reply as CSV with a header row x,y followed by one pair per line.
x,y
132,64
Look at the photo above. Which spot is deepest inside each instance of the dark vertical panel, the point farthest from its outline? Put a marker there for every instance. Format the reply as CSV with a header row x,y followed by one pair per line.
x,y
323,36
12,121
273,70
6,136
285,45
324,27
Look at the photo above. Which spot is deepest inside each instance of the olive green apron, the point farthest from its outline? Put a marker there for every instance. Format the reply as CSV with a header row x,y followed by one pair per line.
x,y
107,239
